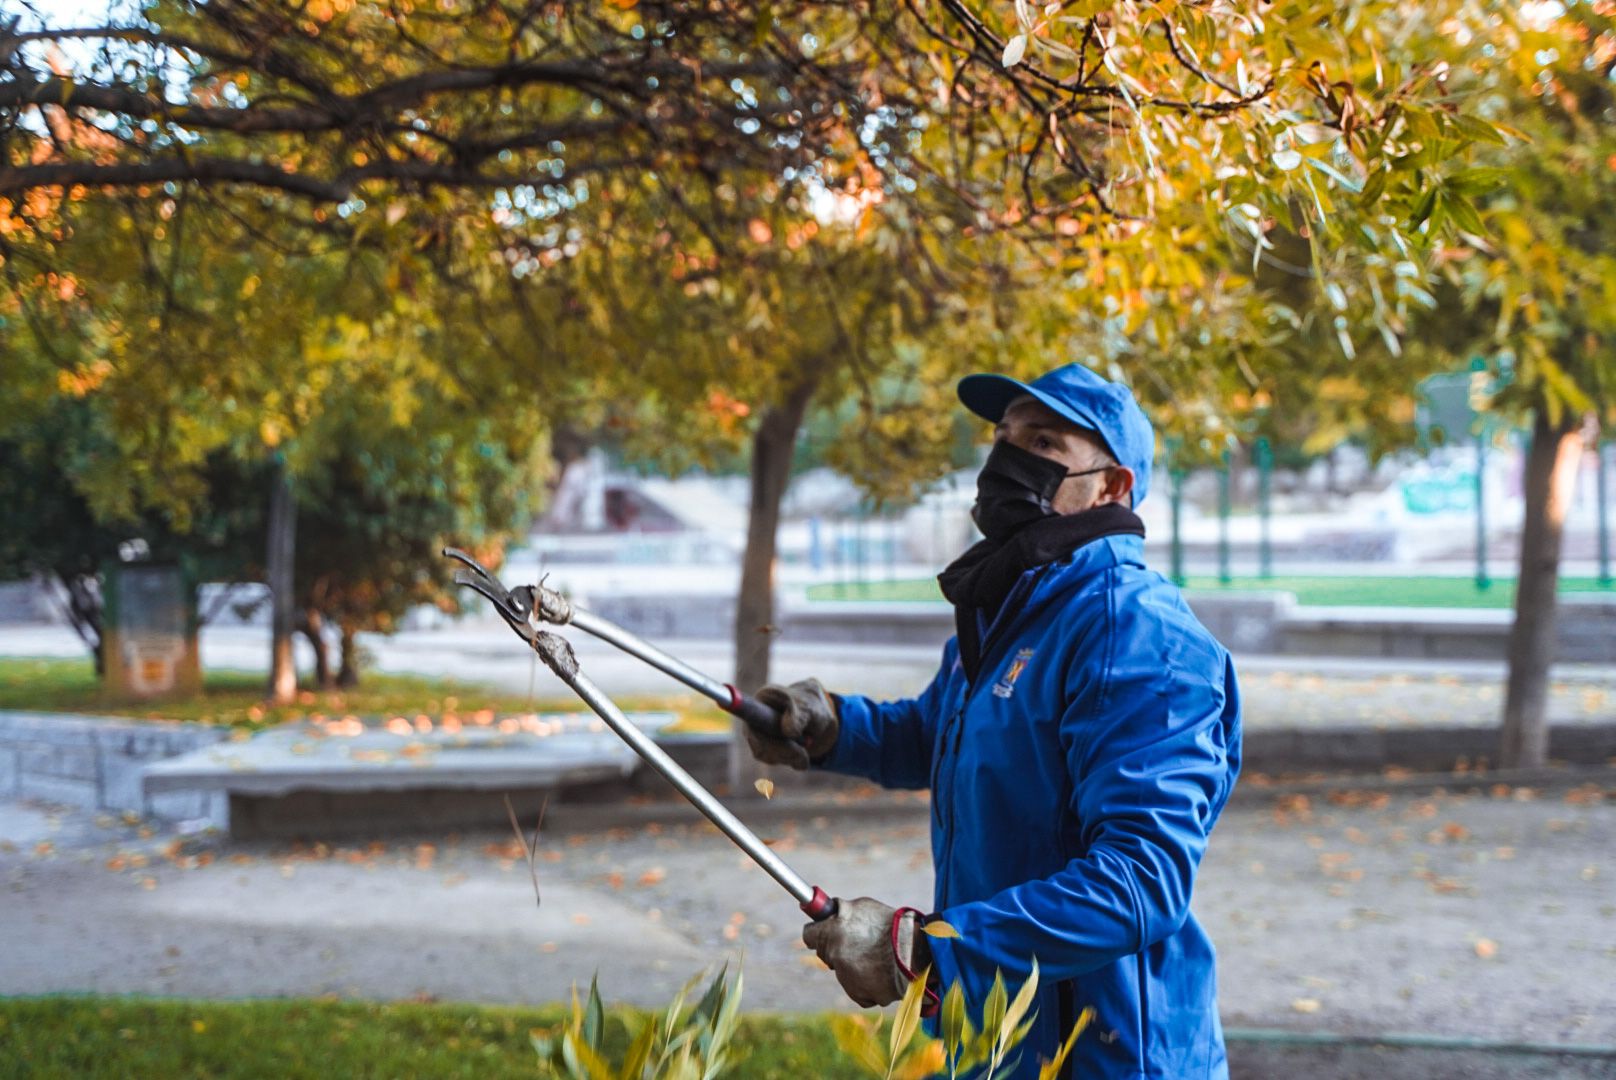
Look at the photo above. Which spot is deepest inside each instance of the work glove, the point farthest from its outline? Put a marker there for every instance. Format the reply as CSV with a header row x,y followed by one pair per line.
x,y
876,951
808,722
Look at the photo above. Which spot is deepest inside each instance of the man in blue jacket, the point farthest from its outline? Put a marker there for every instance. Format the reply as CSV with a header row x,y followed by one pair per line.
x,y
1079,740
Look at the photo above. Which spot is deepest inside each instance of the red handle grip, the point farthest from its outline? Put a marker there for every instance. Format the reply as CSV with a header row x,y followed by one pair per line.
x,y
820,906
756,715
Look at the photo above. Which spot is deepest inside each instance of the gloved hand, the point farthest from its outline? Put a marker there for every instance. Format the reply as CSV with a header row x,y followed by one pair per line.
x,y
858,945
808,721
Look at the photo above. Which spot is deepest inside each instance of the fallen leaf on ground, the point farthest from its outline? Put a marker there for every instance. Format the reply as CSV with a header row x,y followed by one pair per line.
x,y
1486,948
653,876
1307,1005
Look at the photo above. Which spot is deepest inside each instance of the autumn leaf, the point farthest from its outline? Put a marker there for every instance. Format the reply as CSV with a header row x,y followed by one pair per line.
x,y
765,787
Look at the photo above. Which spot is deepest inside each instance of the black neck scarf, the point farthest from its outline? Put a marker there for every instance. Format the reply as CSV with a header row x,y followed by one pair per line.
x,y
980,580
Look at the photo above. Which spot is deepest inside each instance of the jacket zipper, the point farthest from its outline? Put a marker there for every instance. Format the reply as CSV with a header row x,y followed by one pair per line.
x,y
1003,618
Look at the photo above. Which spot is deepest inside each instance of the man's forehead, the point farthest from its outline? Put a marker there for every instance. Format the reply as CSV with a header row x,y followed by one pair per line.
x,y
1027,410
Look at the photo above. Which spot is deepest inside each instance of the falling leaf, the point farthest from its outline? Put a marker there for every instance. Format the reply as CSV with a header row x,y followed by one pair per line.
x,y
765,787
1486,948
937,928
1307,1005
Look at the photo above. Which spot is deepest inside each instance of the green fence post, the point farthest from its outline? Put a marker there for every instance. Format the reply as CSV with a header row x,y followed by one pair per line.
x,y
1224,576
1602,501
1480,386
1265,546
1177,474
1483,579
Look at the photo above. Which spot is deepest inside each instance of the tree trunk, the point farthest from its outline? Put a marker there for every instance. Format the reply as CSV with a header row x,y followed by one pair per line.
x,y
348,676
312,626
84,610
772,446
1551,477
281,546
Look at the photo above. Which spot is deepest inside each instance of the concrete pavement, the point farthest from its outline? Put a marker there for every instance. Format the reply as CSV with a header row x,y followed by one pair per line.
x,y
1484,915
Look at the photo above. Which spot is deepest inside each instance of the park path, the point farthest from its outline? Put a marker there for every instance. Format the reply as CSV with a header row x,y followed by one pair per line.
x,y
1395,908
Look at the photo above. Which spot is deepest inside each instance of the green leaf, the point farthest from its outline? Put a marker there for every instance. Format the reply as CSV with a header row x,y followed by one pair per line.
x,y
1014,1015
1423,208
710,1001
1476,128
1463,212
594,1016
993,1011
1479,181
953,1022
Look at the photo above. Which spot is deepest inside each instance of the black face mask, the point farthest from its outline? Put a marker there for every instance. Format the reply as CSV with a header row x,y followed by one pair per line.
x,y
1016,488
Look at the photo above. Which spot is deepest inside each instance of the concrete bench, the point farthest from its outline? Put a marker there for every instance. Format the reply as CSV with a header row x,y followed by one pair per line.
x,y
345,775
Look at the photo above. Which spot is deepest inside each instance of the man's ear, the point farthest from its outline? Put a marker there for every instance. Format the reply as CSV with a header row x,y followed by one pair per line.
x,y
1118,487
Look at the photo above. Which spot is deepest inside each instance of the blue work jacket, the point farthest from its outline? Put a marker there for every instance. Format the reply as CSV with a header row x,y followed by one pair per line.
x,y
1073,787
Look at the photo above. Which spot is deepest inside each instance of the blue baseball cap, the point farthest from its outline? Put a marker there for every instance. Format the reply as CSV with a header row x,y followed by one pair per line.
x,y
1074,392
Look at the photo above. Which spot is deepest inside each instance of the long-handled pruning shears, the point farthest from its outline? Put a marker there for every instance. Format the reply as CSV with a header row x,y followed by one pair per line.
x,y
519,608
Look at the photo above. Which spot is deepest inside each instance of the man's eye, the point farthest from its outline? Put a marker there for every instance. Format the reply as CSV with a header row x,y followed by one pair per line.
x,y
1042,442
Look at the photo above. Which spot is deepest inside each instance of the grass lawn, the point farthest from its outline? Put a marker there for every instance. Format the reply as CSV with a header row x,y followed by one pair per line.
x,y
236,698
161,1038
1458,592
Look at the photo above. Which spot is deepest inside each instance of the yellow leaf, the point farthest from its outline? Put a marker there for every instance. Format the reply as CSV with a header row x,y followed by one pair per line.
x,y
765,788
937,928
1306,1005
908,1018
1051,1069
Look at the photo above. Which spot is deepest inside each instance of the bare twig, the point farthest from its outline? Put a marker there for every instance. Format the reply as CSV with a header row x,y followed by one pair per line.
x,y
530,849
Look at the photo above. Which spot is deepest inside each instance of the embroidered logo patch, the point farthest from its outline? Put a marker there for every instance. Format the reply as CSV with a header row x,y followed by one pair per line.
x,y
1007,685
